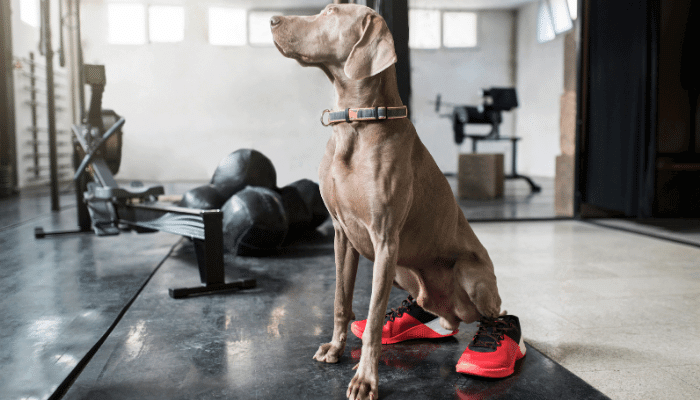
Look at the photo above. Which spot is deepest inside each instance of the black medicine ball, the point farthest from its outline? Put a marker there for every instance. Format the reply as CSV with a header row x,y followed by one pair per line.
x,y
205,197
254,219
244,167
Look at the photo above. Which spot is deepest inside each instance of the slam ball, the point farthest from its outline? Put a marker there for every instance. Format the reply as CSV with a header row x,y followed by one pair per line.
x,y
311,194
299,214
254,219
204,197
244,167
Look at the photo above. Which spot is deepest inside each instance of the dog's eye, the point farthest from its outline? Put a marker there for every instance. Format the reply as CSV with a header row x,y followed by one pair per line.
x,y
330,11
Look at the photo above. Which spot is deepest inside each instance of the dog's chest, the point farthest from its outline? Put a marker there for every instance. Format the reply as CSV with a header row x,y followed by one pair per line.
x,y
347,185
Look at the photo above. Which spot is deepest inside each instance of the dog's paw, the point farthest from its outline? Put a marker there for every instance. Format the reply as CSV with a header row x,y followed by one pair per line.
x,y
329,353
363,386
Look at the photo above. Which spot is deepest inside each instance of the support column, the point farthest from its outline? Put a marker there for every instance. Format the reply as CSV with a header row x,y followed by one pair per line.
x,y
8,156
564,182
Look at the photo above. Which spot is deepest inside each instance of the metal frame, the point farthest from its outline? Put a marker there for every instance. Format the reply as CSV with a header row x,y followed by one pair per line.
x,y
112,207
204,227
487,115
8,156
106,208
47,51
534,188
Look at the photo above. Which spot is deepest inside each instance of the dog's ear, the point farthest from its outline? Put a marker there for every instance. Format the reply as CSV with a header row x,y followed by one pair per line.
x,y
374,52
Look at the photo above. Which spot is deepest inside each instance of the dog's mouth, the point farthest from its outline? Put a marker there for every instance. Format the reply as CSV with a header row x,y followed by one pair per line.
x,y
284,53
303,60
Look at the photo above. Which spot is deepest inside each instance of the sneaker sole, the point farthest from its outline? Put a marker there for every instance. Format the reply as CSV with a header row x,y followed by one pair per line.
x,y
431,330
495,372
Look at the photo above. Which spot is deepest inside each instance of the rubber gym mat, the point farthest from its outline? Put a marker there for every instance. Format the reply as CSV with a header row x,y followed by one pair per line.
x,y
62,294
259,343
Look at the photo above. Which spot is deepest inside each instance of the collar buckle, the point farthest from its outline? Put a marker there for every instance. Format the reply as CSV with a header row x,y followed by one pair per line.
x,y
326,111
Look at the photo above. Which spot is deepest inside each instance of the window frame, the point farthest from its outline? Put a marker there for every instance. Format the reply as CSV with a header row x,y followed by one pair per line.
x,y
441,30
476,29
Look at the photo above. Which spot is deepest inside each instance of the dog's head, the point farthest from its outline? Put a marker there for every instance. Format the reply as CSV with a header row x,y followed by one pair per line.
x,y
350,36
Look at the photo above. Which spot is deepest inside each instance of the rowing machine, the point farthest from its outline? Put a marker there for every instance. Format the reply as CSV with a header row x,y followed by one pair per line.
x,y
106,208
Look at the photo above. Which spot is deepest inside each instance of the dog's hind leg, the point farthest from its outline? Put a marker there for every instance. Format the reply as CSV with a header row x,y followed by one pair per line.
x,y
476,276
473,271
346,260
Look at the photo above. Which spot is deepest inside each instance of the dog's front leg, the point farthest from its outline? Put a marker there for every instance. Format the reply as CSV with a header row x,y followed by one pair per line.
x,y
346,260
364,384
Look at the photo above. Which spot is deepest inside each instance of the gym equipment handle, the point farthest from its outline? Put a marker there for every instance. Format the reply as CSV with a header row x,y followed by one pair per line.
x,y
90,154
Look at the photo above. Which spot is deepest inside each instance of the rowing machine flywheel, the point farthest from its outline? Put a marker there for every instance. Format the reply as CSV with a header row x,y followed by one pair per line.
x,y
112,148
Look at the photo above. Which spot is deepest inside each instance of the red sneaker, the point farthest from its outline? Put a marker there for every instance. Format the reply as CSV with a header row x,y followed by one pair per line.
x,y
409,321
495,348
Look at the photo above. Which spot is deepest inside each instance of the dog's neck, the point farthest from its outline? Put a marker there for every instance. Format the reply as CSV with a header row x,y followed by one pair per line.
x,y
380,90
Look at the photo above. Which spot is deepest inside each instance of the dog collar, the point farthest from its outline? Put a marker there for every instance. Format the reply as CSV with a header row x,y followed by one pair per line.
x,y
364,114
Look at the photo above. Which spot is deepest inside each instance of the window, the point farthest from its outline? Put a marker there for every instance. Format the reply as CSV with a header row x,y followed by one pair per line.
x,y
29,12
126,23
545,29
459,29
554,17
561,19
166,24
227,26
259,27
424,28
573,9
432,29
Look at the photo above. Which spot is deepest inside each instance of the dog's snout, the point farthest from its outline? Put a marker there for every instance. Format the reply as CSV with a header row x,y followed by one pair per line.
x,y
274,21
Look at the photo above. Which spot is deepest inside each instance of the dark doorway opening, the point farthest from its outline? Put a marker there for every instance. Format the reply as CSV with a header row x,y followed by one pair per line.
x,y
638,153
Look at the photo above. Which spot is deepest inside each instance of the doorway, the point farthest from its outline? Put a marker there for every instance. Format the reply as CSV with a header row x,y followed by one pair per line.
x,y
509,51
639,154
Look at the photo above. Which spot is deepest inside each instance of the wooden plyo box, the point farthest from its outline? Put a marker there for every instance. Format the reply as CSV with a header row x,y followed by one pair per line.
x,y
480,176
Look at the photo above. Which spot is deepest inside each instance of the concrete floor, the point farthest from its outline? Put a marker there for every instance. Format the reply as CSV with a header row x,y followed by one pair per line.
x,y
684,231
616,309
518,202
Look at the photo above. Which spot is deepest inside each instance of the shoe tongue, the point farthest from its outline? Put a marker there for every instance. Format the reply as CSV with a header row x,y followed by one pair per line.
x,y
479,344
405,307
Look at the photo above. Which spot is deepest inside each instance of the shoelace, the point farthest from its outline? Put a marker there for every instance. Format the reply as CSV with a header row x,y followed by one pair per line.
x,y
405,306
497,328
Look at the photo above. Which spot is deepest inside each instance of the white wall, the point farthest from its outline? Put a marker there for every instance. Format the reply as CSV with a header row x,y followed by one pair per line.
x,y
459,75
540,84
189,104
